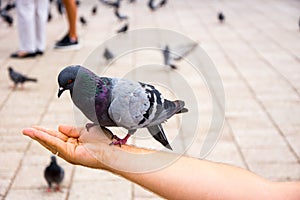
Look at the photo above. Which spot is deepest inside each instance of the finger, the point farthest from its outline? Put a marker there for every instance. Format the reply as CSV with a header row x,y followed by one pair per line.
x,y
52,132
31,133
50,142
70,131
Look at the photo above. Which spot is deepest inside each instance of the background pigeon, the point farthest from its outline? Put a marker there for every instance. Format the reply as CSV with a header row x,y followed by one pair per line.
x,y
151,5
119,16
54,174
94,10
167,57
60,7
221,17
162,3
181,52
17,77
108,55
123,29
7,18
119,102
82,21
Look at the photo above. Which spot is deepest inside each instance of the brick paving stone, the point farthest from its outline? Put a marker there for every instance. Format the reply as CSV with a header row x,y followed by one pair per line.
x,y
256,55
101,189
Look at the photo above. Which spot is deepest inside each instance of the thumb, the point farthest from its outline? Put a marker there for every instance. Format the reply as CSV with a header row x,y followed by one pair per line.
x,y
68,130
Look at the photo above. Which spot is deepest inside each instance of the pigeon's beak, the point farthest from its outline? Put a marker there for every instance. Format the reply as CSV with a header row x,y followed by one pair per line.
x,y
60,91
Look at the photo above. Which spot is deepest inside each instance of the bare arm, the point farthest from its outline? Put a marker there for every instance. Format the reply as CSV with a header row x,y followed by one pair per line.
x,y
187,178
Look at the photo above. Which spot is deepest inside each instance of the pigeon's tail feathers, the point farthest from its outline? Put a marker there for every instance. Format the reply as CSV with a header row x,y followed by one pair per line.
x,y
158,133
180,106
31,79
183,110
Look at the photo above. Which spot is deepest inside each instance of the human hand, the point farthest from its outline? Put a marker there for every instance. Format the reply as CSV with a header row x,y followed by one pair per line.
x,y
76,145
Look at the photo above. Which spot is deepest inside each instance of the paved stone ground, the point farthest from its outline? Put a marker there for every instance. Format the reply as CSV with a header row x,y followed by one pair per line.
x,y
256,53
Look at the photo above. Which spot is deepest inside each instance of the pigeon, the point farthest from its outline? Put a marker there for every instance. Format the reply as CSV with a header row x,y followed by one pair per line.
x,y
123,29
49,16
54,174
7,18
182,52
167,57
9,6
77,2
162,3
119,16
108,55
151,5
115,4
119,102
82,21
60,7
17,77
221,17
94,10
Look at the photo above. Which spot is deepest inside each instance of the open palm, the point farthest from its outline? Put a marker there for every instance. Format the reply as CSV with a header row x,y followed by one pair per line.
x,y
75,145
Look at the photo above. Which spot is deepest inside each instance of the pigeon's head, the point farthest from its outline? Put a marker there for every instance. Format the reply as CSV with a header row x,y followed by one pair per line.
x,y
66,79
10,69
53,159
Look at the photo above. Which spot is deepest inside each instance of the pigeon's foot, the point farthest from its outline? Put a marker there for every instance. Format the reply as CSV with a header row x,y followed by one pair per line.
x,y
57,189
119,141
90,125
48,189
173,66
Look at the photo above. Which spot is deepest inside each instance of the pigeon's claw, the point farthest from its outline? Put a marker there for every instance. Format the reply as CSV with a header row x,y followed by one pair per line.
x,y
119,141
48,189
90,125
57,189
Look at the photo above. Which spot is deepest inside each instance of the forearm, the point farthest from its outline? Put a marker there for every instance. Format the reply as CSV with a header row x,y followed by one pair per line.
x,y
190,178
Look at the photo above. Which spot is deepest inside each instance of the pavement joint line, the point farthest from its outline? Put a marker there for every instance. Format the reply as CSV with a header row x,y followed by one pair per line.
x,y
26,150
254,94
261,104
71,182
218,102
262,58
237,146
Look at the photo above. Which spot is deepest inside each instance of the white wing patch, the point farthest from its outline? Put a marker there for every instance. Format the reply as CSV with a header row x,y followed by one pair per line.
x,y
134,105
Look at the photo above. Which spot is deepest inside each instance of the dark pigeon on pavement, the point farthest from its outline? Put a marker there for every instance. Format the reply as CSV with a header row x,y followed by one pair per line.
x,y
19,78
54,174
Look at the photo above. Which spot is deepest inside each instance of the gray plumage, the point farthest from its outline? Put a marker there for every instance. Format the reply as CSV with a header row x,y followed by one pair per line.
x,y
119,102
19,78
167,57
180,53
54,174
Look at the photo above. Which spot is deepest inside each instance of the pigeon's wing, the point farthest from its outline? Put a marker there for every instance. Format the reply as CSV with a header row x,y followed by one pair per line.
x,y
136,105
17,77
129,104
183,51
158,133
61,175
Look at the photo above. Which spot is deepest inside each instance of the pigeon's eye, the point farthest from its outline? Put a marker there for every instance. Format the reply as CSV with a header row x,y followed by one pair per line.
x,y
70,81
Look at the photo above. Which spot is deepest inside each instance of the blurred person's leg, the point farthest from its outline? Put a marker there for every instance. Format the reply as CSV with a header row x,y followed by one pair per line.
x,y
70,40
71,10
41,15
26,25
